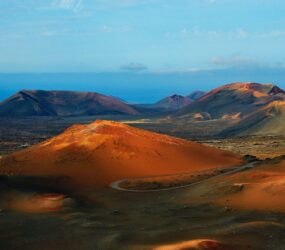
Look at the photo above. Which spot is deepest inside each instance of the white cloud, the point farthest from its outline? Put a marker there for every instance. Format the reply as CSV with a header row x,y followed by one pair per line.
x,y
274,33
73,5
171,70
196,31
112,29
240,33
106,29
134,67
233,61
48,33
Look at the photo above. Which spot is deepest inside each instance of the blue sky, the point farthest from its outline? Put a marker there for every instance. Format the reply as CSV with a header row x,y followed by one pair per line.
x,y
153,35
143,37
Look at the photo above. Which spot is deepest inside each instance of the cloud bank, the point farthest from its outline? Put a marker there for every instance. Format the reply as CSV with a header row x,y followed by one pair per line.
x,y
134,67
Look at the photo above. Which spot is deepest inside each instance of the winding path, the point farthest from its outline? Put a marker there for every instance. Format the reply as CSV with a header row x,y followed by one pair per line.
x,y
116,185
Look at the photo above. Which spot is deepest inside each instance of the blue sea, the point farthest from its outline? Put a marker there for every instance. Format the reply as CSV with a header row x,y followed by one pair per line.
x,y
136,87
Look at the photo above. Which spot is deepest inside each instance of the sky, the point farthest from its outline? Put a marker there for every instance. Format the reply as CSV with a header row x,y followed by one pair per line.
x,y
142,37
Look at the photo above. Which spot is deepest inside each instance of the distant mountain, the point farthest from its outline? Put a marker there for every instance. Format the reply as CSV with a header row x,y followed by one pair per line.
x,y
234,100
166,104
195,95
63,103
102,152
173,102
235,109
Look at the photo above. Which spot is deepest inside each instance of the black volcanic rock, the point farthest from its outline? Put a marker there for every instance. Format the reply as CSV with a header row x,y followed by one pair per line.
x,y
63,103
276,90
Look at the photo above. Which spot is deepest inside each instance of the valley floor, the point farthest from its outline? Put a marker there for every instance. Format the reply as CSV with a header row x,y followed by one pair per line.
x,y
16,134
107,219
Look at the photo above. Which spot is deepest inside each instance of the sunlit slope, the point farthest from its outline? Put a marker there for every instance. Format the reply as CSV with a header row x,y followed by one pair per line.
x,y
269,120
234,99
259,189
105,151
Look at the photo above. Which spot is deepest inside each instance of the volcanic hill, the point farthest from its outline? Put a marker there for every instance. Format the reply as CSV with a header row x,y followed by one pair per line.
x,y
236,99
62,103
105,151
173,102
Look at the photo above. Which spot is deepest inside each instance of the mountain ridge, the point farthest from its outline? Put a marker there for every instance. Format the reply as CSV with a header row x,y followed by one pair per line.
x,y
62,103
233,98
